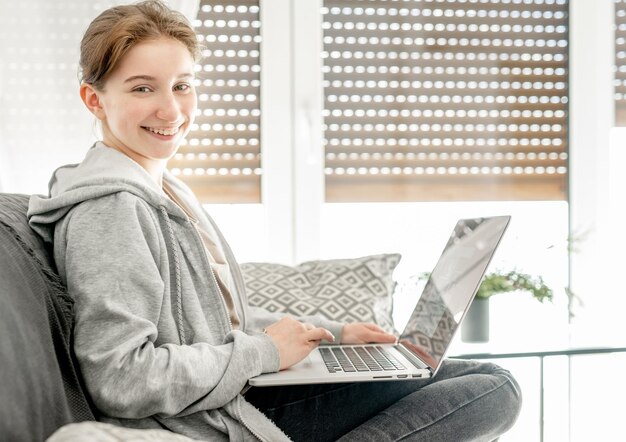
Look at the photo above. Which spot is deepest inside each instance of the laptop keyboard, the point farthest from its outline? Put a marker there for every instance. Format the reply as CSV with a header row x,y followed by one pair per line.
x,y
353,359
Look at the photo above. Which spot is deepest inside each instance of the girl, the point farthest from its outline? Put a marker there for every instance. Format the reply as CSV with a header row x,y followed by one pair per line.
x,y
163,332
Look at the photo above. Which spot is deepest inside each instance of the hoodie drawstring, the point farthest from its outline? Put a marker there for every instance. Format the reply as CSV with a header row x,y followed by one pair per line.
x,y
179,295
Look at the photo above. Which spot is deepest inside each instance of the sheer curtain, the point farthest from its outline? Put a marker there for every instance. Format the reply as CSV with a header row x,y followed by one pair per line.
x,y
43,123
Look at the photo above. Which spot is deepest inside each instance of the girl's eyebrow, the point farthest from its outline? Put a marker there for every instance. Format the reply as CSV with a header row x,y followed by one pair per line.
x,y
151,78
139,77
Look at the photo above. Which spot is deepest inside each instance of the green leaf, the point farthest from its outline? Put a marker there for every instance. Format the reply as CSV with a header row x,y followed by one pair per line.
x,y
513,281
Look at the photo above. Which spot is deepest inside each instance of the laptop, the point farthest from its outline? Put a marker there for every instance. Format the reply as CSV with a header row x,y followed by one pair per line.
x,y
437,315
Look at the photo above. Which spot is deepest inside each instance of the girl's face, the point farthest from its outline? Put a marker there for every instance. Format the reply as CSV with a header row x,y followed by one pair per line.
x,y
148,102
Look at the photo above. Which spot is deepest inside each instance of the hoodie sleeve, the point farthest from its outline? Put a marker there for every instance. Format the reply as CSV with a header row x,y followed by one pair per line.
x,y
108,250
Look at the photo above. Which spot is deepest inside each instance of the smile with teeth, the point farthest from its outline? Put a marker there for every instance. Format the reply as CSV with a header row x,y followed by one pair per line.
x,y
167,132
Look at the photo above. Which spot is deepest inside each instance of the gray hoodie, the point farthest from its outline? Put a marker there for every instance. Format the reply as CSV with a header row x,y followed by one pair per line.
x,y
152,332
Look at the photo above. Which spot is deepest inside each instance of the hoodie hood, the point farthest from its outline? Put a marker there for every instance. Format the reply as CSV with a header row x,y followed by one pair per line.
x,y
103,171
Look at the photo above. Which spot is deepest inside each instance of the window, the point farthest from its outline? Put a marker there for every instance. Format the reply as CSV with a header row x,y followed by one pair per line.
x,y
432,101
388,126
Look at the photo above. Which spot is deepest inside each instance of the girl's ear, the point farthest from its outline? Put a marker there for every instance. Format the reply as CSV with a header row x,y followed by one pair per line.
x,y
91,98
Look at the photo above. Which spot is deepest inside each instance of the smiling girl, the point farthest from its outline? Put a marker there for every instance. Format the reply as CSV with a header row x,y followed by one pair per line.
x,y
163,332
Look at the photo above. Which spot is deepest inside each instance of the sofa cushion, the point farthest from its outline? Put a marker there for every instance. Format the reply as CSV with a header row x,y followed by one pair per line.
x,y
346,290
13,209
41,388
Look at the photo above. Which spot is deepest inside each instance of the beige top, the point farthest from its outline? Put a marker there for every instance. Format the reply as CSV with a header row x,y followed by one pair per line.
x,y
214,251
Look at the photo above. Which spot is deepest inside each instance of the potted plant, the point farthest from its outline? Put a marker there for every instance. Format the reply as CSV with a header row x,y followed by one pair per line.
x,y
475,327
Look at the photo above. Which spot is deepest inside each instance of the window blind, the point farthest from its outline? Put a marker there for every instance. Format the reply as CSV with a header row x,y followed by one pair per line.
x,y
436,101
220,159
620,63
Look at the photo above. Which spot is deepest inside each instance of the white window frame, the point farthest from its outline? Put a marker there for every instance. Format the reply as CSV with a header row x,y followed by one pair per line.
x,y
292,184
592,116
276,122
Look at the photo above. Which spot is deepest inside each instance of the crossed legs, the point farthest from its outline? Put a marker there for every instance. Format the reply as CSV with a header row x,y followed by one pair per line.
x,y
466,401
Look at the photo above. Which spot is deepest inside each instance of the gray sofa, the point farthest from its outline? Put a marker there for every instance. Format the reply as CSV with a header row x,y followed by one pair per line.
x,y
41,389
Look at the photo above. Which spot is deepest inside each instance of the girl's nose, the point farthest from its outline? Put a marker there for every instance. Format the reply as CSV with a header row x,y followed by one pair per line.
x,y
168,109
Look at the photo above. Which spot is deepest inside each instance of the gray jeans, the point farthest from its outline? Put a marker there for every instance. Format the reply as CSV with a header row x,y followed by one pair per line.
x,y
466,401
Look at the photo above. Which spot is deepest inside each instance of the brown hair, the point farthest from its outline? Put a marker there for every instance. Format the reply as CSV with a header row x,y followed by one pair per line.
x,y
116,30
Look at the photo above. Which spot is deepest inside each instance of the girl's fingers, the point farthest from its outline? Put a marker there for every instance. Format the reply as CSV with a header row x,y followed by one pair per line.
x,y
317,334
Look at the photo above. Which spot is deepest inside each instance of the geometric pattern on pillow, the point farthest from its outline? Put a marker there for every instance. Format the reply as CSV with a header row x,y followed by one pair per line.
x,y
345,290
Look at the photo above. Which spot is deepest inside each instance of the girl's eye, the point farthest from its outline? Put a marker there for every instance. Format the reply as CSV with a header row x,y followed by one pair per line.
x,y
183,87
142,89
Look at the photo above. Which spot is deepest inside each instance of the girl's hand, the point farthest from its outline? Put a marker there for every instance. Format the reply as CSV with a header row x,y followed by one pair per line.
x,y
364,333
295,340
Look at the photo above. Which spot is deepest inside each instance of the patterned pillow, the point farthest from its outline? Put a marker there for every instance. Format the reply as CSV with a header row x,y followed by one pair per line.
x,y
345,290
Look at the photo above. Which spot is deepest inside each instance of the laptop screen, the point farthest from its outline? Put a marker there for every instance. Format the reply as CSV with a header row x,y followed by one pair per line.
x,y
451,287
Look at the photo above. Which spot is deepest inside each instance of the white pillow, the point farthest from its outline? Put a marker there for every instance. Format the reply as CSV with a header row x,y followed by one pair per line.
x,y
346,290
